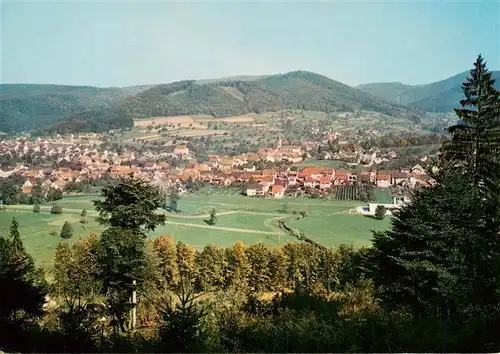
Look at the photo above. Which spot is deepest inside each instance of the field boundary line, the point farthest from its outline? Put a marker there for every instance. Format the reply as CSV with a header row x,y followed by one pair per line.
x,y
221,228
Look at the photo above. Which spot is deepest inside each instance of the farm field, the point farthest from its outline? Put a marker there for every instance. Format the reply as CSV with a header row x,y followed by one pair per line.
x,y
340,229
36,229
383,195
239,218
80,202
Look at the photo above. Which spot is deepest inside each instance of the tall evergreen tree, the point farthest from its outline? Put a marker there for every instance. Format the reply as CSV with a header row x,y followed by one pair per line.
x,y
475,145
476,138
213,217
173,198
83,218
22,290
15,236
66,230
446,242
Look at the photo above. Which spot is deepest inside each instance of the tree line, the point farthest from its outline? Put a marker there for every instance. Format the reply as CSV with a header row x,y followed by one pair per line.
x,y
11,192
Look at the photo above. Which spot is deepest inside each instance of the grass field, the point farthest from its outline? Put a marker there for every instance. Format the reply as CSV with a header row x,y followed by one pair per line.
x,y
340,229
36,231
239,218
383,195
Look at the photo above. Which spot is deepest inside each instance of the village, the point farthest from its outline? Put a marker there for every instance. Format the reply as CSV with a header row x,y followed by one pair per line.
x,y
72,164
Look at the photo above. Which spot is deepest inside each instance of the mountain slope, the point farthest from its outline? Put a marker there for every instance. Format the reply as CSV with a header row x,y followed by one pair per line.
x,y
294,90
440,96
29,106
389,91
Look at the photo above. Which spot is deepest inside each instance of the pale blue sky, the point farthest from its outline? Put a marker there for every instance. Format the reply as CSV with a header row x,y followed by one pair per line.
x,y
117,43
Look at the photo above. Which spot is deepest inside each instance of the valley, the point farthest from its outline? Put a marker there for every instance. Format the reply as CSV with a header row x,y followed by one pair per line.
x,y
239,219
257,151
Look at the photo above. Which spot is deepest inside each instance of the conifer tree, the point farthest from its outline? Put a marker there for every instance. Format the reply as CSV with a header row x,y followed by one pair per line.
x,y
23,289
475,145
66,231
173,198
83,218
446,241
15,236
475,139
213,217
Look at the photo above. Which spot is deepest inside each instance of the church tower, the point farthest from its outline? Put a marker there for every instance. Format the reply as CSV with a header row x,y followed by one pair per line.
x,y
279,141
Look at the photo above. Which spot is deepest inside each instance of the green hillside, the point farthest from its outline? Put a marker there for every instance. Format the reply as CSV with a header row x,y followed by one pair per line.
x,y
294,90
30,106
440,96
388,91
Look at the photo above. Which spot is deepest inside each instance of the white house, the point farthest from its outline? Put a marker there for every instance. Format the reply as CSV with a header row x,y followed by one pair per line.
x,y
181,150
277,191
254,189
310,182
400,199
388,207
418,170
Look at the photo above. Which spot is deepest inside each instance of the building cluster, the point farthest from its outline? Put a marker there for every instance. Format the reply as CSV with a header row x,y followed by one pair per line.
x,y
86,161
274,183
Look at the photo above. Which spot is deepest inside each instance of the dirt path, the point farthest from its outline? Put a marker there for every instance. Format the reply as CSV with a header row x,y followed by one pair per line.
x,y
229,212
222,228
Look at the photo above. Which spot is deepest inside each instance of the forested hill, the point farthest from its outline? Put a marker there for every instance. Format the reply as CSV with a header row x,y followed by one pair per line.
x,y
294,90
440,96
31,106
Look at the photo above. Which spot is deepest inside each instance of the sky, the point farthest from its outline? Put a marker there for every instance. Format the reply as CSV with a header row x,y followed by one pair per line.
x,y
125,43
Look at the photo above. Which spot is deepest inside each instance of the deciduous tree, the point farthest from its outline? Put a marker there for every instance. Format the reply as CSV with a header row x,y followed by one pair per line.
x,y
165,250
211,263
131,203
56,209
380,212
128,209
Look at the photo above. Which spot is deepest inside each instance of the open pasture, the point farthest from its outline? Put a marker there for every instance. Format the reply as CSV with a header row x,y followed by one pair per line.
x,y
234,119
239,218
340,229
198,122
40,232
183,121
203,132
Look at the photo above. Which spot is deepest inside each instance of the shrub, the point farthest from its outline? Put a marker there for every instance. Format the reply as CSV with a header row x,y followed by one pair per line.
x,y
56,209
380,212
213,217
36,208
66,231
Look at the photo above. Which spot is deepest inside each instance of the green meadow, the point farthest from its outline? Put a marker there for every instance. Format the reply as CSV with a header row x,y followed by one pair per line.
x,y
239,218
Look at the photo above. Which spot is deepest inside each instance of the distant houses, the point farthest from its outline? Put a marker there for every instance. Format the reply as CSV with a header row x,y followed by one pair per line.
x,y
79,163
274,184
